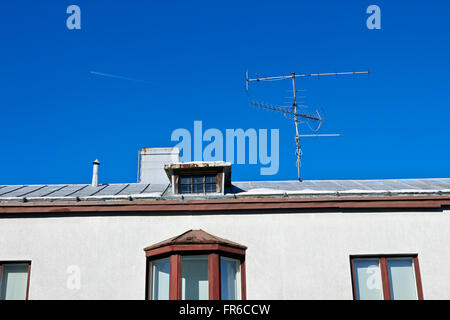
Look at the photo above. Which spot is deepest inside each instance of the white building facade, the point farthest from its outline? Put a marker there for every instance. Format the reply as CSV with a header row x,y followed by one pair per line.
x,y
378,239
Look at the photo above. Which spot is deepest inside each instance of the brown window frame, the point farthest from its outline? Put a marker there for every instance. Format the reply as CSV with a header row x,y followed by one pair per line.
x,y
175,254
385,272
2,263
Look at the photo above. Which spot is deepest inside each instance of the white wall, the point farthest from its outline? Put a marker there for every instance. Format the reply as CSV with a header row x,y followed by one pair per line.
x,y
289,256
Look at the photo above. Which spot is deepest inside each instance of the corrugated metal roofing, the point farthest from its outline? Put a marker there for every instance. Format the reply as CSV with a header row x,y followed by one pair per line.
x,y
81,191
130,191
393,185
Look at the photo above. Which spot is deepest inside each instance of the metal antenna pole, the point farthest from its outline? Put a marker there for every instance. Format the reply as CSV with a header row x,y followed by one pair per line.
x,y
294,112
297,137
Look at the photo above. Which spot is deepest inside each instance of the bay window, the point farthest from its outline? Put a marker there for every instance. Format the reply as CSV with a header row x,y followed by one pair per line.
x,y
195,266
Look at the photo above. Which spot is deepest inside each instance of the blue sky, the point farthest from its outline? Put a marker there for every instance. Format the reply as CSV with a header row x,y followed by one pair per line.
x,y
190,57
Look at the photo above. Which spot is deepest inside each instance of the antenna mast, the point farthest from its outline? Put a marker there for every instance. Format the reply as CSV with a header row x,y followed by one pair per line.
x,y
294,112
297,138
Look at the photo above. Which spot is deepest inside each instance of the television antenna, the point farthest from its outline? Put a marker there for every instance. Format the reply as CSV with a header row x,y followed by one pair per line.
x,y
292,112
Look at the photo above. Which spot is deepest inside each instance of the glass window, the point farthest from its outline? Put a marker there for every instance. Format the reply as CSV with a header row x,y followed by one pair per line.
x,y
368,279
198,188
185,188
210,187
402,281
185,180
197,184
13,283
210,183
230,279
389,277
194,278
160,272
198,179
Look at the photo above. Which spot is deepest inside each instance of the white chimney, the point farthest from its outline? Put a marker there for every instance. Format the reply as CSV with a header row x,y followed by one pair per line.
x,y
95,173
152,161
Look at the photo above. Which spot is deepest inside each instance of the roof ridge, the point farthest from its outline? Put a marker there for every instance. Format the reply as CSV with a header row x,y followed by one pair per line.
x,y
180,235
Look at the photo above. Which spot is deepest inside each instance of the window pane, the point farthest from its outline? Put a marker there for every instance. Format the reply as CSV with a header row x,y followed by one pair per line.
x,y
368,279
198,188
402,280
198,179
211,179
14,282
194,274
185,188
160,271
210,188
185,180
230,279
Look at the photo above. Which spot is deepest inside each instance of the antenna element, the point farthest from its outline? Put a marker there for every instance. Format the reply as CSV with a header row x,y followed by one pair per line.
x,y
293,112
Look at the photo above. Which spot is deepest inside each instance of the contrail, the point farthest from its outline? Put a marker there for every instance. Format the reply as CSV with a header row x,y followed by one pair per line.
x,y
117,77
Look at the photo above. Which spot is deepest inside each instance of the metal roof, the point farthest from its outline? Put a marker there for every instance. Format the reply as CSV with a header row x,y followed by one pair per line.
x,y
344,186
315,188
78,192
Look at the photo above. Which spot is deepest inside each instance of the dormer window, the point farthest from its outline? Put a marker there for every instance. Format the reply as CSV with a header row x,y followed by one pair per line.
x,y
199,177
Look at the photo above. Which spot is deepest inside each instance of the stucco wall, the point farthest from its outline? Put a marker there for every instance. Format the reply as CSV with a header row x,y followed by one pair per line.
x,y
289,256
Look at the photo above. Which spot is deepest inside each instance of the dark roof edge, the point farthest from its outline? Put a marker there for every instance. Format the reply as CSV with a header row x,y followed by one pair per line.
x,y
230,204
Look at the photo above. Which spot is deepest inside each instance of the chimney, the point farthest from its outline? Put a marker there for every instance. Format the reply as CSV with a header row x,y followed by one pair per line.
x,y
152,161
95,173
